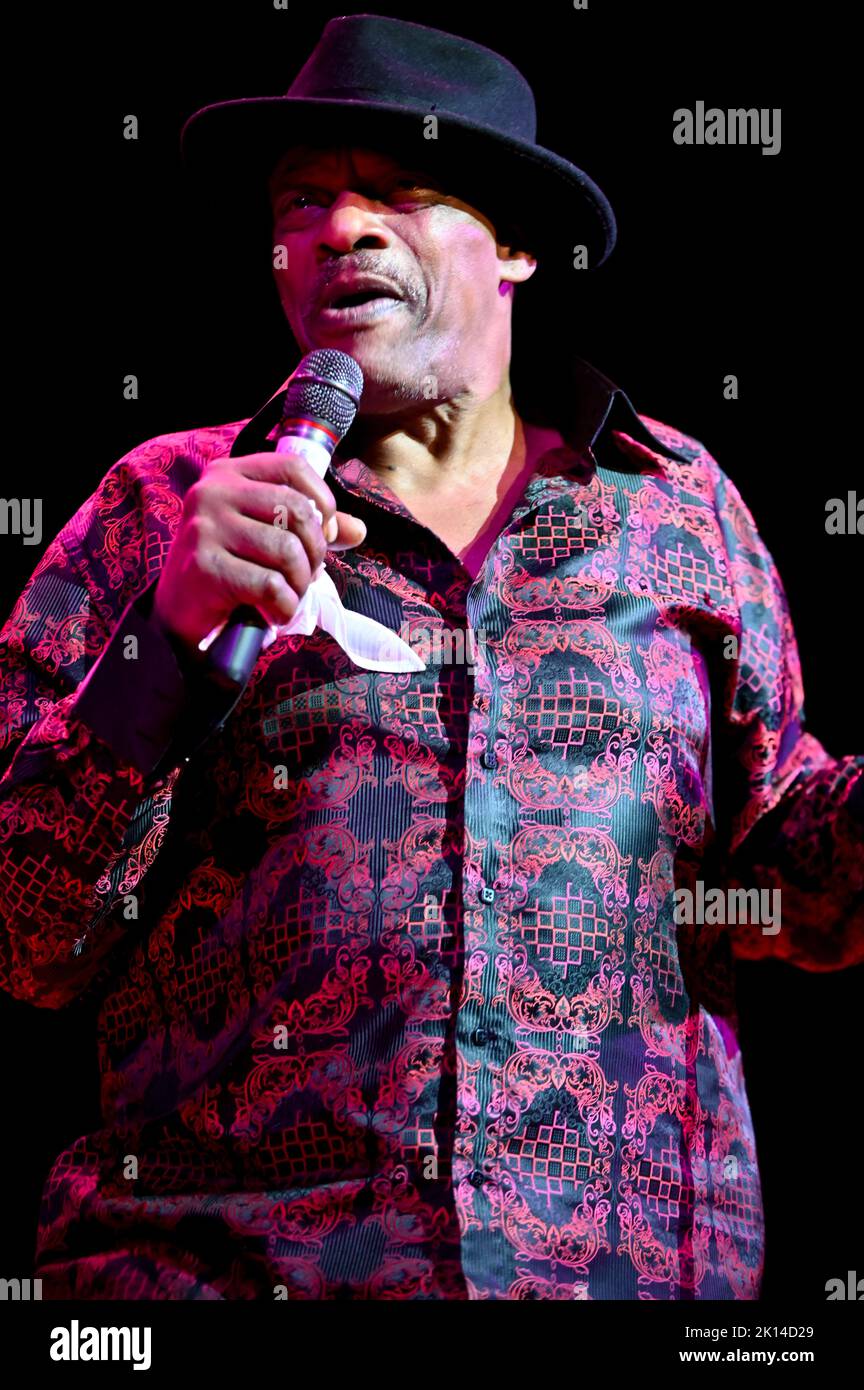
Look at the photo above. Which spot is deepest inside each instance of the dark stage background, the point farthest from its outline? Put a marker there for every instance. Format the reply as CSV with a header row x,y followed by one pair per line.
x,y
721,267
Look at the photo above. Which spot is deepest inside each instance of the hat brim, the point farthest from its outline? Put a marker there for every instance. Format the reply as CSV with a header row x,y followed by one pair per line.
x,y
232,147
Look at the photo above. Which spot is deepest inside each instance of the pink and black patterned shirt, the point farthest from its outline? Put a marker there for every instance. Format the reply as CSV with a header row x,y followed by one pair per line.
x,y
394,998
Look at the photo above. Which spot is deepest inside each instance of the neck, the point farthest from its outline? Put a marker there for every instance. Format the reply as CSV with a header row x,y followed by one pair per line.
x,y
460,442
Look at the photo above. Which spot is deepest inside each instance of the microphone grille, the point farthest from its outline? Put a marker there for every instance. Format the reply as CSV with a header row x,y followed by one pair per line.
x,y
327,386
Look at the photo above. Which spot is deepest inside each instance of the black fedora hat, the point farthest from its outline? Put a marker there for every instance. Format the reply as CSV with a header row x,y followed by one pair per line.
x,y
375,81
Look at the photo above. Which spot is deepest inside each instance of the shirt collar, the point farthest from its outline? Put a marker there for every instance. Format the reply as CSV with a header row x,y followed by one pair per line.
x,y
584,412
590,406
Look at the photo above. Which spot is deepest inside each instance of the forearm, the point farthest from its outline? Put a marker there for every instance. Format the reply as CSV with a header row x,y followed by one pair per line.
x,y
810,847
68,798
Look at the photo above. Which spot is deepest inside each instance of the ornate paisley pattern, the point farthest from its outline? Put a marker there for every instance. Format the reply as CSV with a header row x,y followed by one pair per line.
x,y
415,1019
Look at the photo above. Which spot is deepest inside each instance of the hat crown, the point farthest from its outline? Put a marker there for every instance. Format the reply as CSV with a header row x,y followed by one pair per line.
x,y
373,81
374,58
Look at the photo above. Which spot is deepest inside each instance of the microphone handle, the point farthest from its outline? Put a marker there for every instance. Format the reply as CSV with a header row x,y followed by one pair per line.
x,y
232,655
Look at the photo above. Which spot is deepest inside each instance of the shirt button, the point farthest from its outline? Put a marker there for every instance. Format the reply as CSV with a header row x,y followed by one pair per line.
x,y
487,895
477,1178
481,1036
489,758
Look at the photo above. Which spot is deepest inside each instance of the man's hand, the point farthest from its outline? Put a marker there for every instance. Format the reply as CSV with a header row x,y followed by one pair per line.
x,y
249,534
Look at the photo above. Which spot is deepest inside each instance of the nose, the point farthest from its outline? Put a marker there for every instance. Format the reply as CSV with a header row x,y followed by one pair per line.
x,y
350,223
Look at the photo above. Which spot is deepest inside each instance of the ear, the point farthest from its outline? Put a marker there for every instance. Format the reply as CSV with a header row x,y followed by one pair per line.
x,y
514,241
514,265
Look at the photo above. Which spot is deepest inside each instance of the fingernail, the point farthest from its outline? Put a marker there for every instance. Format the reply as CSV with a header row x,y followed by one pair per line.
x,y
331,530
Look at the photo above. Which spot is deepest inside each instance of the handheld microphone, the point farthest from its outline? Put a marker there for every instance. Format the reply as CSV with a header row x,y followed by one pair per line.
x,y
320,405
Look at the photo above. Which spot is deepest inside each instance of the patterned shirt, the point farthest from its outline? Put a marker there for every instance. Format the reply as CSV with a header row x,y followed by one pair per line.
x,y
397,998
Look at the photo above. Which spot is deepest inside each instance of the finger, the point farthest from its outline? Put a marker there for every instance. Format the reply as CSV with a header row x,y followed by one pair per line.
x,y
275,548
243,582
352,531
288,469
285,509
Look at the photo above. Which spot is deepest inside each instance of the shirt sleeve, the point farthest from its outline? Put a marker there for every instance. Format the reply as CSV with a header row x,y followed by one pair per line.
x,y
97,709
793,814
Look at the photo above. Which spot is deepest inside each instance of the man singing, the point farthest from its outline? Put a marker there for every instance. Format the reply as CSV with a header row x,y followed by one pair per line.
x,y
396,1001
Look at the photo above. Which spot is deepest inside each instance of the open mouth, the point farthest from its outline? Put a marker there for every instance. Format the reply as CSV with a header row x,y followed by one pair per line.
x,y
350,301
360,307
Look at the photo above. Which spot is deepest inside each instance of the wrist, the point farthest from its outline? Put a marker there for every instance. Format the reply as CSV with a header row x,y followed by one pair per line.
x,y
185,650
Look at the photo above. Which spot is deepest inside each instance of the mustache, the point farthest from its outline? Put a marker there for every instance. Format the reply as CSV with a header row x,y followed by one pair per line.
x,y
407,288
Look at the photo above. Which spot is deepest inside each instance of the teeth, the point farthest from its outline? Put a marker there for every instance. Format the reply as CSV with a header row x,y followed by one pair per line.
x,y
346,301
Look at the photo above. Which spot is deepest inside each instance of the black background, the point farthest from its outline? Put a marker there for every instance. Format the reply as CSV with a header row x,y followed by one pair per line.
x,y
727,262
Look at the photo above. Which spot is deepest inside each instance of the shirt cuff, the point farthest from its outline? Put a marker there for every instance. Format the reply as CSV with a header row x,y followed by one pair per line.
x,y
135,696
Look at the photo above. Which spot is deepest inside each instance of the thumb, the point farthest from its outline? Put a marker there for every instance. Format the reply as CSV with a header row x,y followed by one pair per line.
x,y
352,531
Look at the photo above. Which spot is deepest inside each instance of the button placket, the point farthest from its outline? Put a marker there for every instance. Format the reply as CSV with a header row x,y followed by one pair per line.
x,y
476,1038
